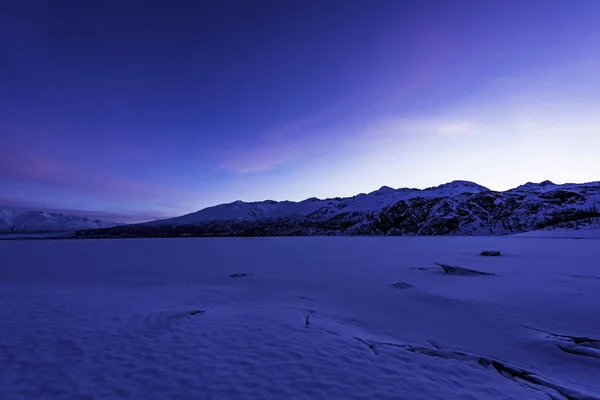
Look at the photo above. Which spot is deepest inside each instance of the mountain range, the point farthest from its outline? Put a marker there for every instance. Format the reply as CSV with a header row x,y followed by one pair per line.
x,y
17,221
455,208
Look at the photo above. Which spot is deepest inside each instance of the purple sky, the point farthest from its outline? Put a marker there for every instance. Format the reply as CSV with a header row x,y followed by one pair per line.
x,y
135,110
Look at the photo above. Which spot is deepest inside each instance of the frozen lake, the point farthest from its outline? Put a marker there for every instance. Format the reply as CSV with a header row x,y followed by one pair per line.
x,y
314,318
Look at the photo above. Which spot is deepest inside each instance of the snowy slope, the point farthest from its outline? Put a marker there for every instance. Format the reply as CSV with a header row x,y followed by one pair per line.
x,y
525,208
15,221
562,233
589,230
316,318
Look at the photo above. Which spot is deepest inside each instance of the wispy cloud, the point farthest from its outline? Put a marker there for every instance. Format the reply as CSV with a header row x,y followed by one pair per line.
x,y
31,166
340,125
118,176
432,52
454,129
537,126
260,158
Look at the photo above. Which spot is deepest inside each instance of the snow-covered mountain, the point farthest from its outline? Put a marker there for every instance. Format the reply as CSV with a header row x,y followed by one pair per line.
x,y
455,208
15,221
362,203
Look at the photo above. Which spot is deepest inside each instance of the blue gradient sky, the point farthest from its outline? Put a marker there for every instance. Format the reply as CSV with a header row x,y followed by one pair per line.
x,y
134,110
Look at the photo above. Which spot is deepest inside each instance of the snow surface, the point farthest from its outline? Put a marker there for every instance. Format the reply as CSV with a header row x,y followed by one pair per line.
x,y
315,318
18,221
588,230
564,233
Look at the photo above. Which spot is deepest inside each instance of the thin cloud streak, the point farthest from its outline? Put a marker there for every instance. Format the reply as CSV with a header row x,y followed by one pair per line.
x,y
501,137
36,168
260,159
338,126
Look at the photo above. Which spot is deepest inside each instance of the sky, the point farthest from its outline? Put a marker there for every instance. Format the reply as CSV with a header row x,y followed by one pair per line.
x,y
135,110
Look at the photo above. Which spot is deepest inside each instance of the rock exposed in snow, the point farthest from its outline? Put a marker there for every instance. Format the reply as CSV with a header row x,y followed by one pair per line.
x,y
454,270
490,253
402,285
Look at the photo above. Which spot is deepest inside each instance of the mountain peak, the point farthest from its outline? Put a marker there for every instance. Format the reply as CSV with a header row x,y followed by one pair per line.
x,y
383,190
531,186
465,183
458,187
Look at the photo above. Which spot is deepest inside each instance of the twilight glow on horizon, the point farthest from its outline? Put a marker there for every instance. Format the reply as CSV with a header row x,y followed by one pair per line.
x,y
136,110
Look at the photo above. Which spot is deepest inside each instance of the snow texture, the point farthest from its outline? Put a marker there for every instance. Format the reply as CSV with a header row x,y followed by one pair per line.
x,y
15,221
589,231
306,318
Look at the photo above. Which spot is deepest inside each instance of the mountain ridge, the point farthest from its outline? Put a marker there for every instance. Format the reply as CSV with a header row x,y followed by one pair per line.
x,y
455,208
240,210
29,221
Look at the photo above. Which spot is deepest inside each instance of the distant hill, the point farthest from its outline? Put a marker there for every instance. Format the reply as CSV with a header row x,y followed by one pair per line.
x,y
455,208
16,221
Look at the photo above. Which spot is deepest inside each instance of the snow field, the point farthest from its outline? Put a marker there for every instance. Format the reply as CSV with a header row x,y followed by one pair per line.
x,y
315,318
